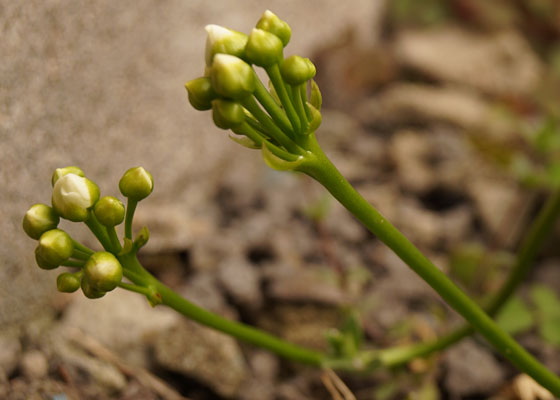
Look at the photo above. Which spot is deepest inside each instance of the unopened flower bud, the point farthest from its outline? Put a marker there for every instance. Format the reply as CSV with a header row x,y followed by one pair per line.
x,y
60,172
55,247
39,219
67,282
73,196
271,23
232,77
103,271
89,291
201,93
223,41
227,114
136,183
263,48
297,70
109,211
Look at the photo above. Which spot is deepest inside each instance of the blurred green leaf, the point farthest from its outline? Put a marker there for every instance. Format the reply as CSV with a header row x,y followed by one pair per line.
x,y
546,301
515,317
550,331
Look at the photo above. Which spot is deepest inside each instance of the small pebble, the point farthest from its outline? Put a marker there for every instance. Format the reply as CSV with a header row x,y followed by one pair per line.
x,y
34,365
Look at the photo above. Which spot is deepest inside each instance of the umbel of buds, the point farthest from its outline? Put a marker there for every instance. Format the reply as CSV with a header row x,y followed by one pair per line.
x,y
55,247
103,272
39,219
276,120
136,183
73,196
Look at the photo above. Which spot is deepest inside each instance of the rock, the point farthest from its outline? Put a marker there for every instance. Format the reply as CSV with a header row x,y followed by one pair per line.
x,y
404,103
307,284
497,202
241,281
471,369
121,321
106,376
409,151
34,365
211,357
202,289
10,351
502,64
303,324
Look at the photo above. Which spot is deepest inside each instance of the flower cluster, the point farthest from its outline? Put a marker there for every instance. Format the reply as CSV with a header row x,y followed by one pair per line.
x,y
279,119
76,198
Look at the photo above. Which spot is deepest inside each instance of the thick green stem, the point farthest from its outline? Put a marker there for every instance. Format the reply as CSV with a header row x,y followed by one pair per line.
x,y
326,173
99,231
273,109
278,83
250,104
80,247
114,238
130,208
530,245
238,330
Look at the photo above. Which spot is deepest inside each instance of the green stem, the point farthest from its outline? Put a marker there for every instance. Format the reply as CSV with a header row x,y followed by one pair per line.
x,y
269,104
79,255
99,231
326,173
73,263
207,318
278,83
130,208
114,238
250,104
531,243
299,107
80,247
303,94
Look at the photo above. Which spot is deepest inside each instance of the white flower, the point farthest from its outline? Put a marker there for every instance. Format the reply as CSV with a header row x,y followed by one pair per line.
x,y
73,196
223,40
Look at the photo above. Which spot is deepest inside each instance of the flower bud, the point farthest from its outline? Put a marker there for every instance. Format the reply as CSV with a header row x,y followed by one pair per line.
x,y
39,219
89,291
73,196
103,271
60,172
225,41
136,183
263,48
55,247
201,93
271,23
67,282
227,114
297,70
232,77
109,211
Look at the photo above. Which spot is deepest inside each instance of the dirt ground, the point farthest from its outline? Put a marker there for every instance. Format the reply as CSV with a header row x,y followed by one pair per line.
x,y
430,111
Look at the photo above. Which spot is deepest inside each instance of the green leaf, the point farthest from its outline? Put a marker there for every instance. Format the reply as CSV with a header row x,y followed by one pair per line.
x,y
515,317
550,331
272,158
546,301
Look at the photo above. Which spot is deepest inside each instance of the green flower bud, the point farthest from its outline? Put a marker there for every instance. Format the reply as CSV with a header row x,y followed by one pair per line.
x,y
201,93
89,291
39,219
227,114
73,196
297,70
103,271
60,172
67,282
136,183
263,48
271,23
224,41
109,211
55,247
232,77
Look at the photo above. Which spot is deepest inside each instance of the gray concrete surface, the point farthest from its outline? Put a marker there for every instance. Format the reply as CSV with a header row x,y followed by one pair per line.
x,y
100,85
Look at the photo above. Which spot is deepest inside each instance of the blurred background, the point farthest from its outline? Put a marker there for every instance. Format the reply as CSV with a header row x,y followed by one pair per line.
x,y
443,113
